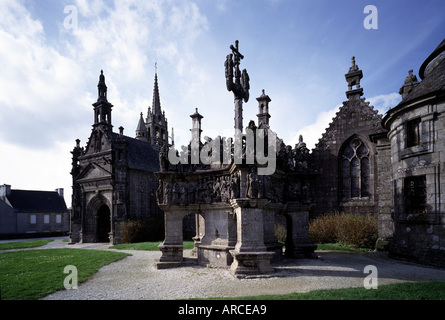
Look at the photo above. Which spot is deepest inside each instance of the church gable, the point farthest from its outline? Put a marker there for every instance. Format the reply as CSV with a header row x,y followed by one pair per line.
x,y
93,171
345,155
98,142
353,118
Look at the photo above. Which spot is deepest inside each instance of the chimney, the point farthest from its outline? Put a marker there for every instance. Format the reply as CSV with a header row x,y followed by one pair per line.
x,y
5,190
60,192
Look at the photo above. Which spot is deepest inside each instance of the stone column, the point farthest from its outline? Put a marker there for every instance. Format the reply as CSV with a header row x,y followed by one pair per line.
x,y
238,115
270,241
298,244
172,247
200,232
250,256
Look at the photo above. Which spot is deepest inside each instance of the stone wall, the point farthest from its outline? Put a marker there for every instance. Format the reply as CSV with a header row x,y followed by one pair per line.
x,y
419,234
142,188
356,119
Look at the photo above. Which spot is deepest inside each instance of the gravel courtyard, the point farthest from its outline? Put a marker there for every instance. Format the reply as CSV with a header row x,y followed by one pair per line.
x,y
136,278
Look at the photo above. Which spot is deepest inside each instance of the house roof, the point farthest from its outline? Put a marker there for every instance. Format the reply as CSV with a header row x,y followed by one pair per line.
x,y
37,201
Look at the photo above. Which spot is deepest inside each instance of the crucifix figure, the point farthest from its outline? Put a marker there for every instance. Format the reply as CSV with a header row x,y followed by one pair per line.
x,y
240,87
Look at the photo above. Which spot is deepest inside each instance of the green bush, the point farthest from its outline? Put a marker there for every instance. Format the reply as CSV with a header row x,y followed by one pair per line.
x,y
143,230
349,229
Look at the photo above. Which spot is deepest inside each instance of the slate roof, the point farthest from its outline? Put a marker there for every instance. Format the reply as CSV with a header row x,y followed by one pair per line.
x,y
434,81
27,201
141,155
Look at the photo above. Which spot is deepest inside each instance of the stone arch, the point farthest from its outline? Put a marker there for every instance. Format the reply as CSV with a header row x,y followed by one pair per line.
x,y
98,220
103,226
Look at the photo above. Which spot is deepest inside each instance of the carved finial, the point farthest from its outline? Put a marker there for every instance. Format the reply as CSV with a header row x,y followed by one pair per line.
x,y
354,66
102,87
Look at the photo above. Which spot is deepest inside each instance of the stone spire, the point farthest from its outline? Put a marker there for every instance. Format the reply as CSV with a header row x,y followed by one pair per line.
x,y
157,124
196,126
353,78
141,130
156,104
102,108
102,88
263,110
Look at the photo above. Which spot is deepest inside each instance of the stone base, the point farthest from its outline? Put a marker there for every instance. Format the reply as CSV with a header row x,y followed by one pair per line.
x,y
382,244
215,256
251,264
186,262
171,253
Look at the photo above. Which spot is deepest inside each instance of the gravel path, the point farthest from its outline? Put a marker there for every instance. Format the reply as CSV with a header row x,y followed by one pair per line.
x,y
136,278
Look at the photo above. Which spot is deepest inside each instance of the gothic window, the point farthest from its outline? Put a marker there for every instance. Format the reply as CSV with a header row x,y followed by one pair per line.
x,y
355,170
413,132
415,194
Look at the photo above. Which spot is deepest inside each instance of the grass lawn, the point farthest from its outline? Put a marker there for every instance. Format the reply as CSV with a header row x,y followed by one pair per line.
x,y
432,290
342,247
24,244
33,274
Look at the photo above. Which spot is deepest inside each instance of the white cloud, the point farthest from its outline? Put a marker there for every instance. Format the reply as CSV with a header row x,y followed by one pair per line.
x,y
33,169
384,102
16,21
48,87
39,85
313,132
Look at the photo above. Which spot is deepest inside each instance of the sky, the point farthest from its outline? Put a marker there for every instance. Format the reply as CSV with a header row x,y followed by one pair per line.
x,y
298,51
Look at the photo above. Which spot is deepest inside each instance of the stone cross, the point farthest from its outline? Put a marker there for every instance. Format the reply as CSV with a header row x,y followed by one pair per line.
x,y
240,87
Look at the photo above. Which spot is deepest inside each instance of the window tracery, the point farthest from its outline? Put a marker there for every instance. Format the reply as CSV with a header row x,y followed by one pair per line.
x,y
355,170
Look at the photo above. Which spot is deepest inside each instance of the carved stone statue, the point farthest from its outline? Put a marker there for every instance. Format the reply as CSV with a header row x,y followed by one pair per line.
x,y
241,86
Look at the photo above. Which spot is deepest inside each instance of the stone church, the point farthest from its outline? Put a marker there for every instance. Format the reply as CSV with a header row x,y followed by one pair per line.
x,y
113,179
390,165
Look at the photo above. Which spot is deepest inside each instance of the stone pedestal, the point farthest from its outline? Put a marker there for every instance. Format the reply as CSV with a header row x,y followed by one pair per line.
x,y
251,264
172,247
270,240
219,236
250,256
298,244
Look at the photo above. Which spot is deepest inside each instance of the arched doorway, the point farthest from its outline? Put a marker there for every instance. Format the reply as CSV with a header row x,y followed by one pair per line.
x,y
103,224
